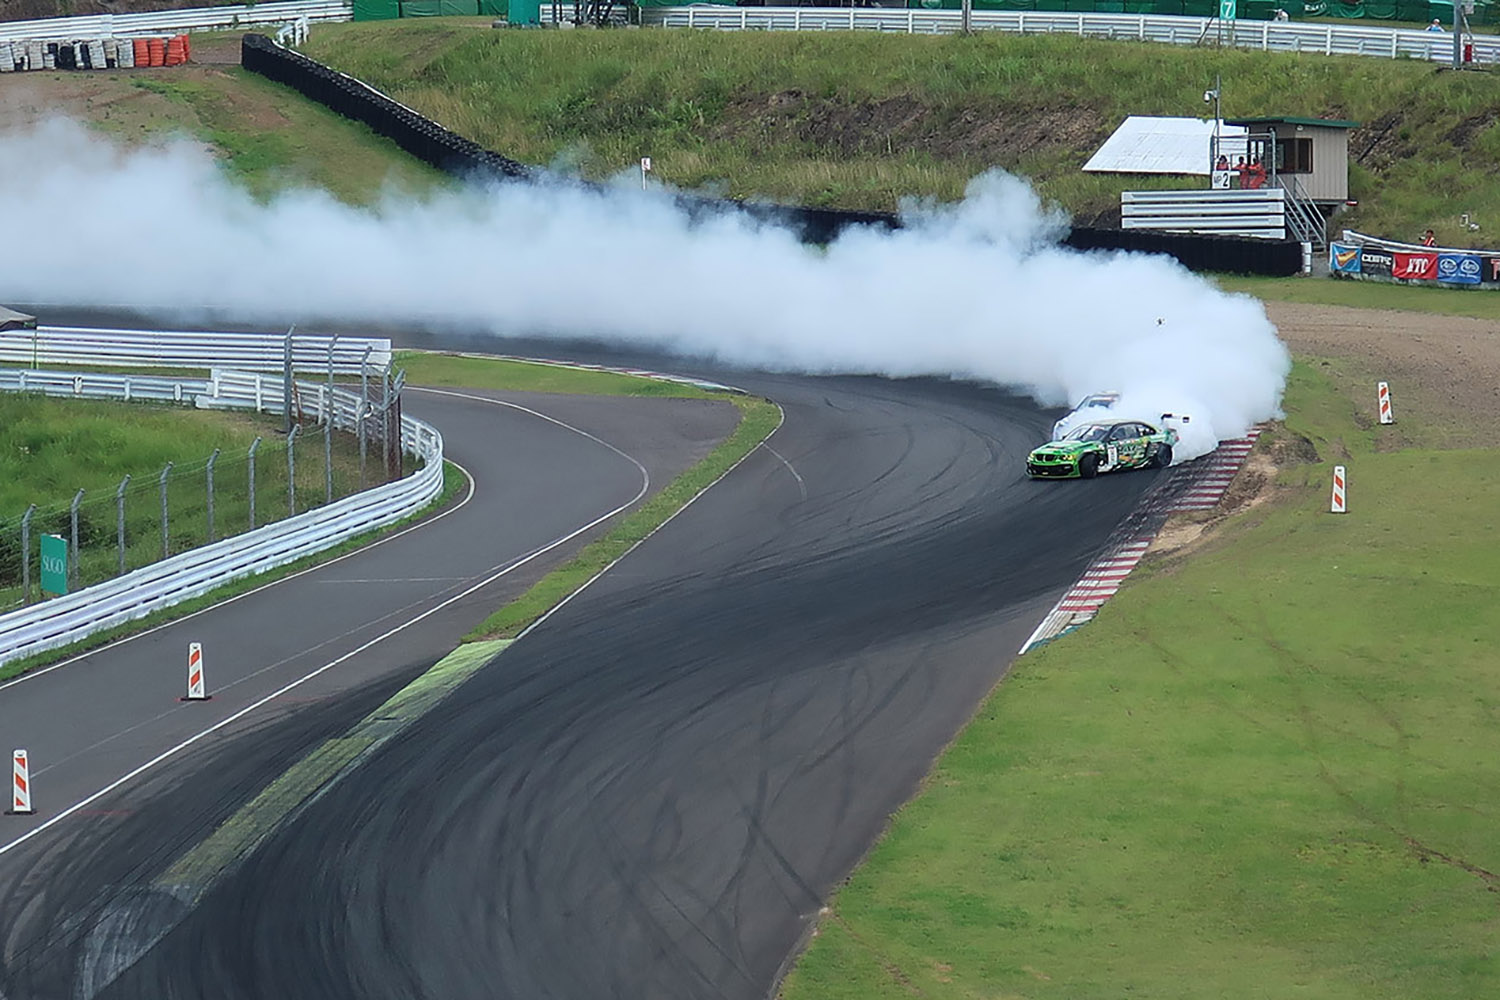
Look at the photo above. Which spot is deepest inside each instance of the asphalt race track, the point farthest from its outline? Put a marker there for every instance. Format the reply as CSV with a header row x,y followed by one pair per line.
x,y
648,796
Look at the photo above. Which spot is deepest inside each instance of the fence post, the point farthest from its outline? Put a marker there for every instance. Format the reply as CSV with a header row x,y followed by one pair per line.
x,y
165,543
73,538
211,460
328,427
291,471
26,554
120,520
364,411
286,381
250,459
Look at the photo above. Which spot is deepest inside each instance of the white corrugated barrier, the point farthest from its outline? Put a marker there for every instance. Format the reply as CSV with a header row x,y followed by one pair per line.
x,y
172,21
62,620
68,345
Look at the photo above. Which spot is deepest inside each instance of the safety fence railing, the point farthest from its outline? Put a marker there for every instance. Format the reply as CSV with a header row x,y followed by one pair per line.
x,y
126,523
104,348
1277,36
170,21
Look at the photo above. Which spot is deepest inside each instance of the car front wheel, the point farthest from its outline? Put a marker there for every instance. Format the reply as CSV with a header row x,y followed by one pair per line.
x,y
1088,466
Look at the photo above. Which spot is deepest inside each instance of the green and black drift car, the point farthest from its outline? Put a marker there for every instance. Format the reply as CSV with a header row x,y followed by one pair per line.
x,y
1089,449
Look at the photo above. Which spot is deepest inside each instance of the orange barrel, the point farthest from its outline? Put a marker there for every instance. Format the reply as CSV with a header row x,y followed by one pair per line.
x,y
142,52
158,48
176,54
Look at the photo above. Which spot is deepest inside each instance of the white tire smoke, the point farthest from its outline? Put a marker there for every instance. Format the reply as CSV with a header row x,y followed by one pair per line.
x,y
974,290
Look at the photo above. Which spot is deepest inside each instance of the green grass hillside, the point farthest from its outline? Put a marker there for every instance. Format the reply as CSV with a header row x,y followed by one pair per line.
x,y
861,120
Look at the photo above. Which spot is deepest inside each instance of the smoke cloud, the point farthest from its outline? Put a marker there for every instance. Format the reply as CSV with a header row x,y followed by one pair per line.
x,y
979,289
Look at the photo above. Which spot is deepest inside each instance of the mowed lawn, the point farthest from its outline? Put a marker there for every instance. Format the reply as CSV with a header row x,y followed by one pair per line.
x,y
1268,769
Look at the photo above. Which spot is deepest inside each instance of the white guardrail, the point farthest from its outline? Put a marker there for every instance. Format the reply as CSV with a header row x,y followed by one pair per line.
x,y
1278,36
67,345
66,619
172,21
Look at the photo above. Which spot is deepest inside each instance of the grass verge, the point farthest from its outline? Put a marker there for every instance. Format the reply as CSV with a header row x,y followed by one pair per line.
x,y
1268,771
469,372
758,418
1480,304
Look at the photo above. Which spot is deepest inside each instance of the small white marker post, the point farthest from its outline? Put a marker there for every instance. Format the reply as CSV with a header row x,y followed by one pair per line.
x,y
1383,392
1338,506
197,690
645,169
20,790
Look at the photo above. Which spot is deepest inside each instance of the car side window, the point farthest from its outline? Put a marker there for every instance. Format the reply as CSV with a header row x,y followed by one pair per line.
x,y
1123,432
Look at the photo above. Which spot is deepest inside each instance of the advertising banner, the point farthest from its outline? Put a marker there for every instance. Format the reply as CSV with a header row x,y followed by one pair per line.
x,y
1343,259
1377,262
1415,266
1459,268
1490,269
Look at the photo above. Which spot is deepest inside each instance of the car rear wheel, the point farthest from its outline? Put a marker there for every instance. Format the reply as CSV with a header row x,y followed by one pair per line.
x,y
1088,466
1162,458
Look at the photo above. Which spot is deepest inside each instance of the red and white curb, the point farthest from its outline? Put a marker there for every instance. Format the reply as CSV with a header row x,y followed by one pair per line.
x,y
1196,485
1222,464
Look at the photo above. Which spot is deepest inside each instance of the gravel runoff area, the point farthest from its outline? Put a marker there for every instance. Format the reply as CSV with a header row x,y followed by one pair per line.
x,y
1451,364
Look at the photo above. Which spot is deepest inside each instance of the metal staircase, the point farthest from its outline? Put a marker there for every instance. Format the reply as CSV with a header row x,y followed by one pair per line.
x,y
1304,220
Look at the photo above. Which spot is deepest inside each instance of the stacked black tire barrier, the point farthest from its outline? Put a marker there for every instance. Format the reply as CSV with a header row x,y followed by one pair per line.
x,y
420,136
1222,254
453,154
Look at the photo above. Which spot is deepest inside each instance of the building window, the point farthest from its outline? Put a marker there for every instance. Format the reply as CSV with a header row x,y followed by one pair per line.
x,y
1294,156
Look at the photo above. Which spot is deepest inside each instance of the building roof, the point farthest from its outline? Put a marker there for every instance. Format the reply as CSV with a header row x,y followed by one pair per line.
x,y
1291,120
12,320
1146,145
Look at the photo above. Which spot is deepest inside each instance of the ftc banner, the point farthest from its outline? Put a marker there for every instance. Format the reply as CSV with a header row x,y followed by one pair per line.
x,y
1415,266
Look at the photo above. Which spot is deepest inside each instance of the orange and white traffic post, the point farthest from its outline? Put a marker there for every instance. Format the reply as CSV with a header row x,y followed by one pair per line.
x,y
20,784
1383,392
197,690
1339,506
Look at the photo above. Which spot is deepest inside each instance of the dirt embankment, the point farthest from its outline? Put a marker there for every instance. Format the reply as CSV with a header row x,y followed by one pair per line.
x,y
1445,367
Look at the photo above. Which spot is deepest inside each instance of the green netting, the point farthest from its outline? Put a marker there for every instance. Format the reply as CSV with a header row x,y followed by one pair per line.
x,y
376,10
494,8
1110,6
1200,8
1257,10
420,8
458,8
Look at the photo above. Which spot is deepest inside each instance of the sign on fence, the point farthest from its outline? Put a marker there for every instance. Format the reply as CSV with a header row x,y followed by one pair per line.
x,y
54,565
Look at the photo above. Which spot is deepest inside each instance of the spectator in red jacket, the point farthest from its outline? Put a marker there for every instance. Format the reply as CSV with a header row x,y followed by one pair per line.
x,y
1428,239
1255,175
